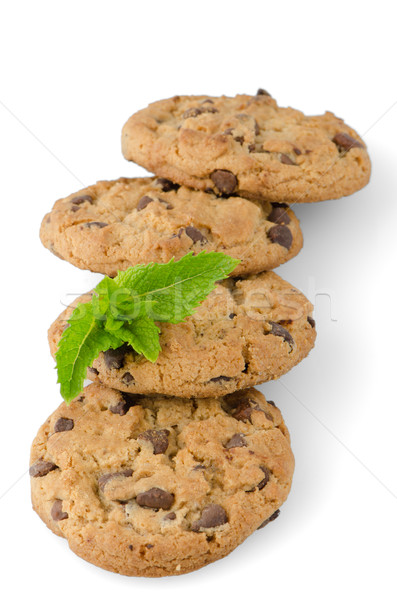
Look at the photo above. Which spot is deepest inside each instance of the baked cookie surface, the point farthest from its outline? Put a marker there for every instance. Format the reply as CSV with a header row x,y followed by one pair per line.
x,y
113,225
165,486
247,331
247,145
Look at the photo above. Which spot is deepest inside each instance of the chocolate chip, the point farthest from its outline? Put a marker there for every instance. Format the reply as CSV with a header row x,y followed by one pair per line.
x,y
143,202
170,517
280,205
199,467
127,378
191,112
75,208
212,515
98,224
114,359
130,547
63,425
258,148
270,402
232,315
277,329
285,159
265,480
270,519
168,205
41,468
166,184
279,215
244,409
228,131
311,321
225,181
122,407
209,109
103,480
297,151
221,378
346,142
239,139
256,128
81,199
236,441
148,546
207,100
93,371
262,92
195,234
126,472
158,438
155,498
57,513
280,234
196,111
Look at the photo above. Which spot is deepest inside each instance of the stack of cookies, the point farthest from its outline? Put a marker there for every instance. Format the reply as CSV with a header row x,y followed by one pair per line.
x,y
161,468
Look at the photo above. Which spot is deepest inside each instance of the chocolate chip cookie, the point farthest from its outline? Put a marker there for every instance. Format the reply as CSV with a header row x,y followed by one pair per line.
x,y
246,331
165,486
248,145
113,225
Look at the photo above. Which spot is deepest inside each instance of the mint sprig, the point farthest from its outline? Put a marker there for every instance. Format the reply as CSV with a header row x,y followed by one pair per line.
x,y
125,309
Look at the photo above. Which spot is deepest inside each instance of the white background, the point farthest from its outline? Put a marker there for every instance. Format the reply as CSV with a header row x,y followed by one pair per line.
x,y
71,74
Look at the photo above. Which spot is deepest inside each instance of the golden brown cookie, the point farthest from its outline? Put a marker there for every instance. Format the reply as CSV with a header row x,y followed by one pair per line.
x,y
248,145
165,486
247,331
113,225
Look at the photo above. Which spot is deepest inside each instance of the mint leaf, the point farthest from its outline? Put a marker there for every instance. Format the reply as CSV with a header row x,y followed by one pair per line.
x,y
112,325
101,297
176,288
125,309
110,301
78,347
143,336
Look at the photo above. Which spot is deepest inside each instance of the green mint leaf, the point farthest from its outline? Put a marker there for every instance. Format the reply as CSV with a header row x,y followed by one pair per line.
x,y
112,325
124,310
105,289
111,301
143,336
177,288
78,347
